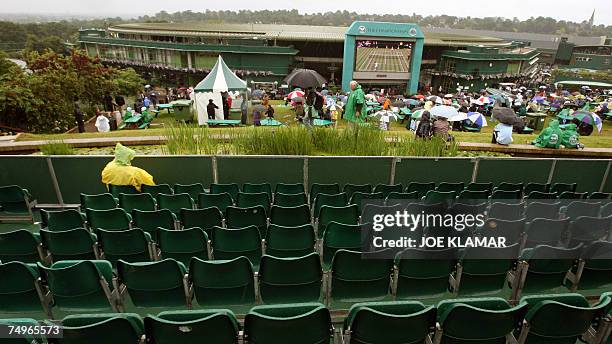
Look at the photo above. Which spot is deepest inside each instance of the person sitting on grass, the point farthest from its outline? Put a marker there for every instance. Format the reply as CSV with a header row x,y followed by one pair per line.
x,y
502,134
121,172
257,117
549,137
423,127
270,112
441,127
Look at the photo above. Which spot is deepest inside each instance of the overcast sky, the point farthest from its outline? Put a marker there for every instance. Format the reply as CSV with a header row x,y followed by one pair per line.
x,y
575,10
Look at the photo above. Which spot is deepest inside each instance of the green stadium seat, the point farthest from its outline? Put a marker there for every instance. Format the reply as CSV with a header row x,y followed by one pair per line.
x,y
446,187
236,217
362,199
505,186
151,221
540,195
290,216
386,189
115,190
155,190
539,187
281,324
22,292
192,327
102,329
221,201
294,241
111,219
488,187
316,189
332,200
394,196
542,209
103,201
73,244
559,319
582,208
558,188
193,190
289,188
222,282
421,273
594,268
290,200
206,218
132,245
467,195
462,320
183,245
586,229
16,204
289,280
573,195
445,198
80,285
483,270
142,201
155,284
175,202
512,230
248,200
389,322
349,189
599,195
506,211
233,243
355,277
546,232
347,215
606,210
20,246
62,220
339,236
231,189
421,188
257,188
506,196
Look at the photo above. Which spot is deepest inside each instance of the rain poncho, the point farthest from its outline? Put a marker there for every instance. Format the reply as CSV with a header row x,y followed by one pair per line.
x,y
121,172
549,137
102,123
355,97
570,137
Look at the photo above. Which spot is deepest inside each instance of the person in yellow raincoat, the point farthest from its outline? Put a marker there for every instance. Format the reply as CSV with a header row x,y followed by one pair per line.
x,y
121,172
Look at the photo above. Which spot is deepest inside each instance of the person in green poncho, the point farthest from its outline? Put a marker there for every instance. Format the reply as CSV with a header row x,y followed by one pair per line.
x,y
570,137
355,109
549,137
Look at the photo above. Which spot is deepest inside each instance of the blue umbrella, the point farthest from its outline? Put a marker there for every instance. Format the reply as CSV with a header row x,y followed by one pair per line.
x,y
412,102
443,111
477,118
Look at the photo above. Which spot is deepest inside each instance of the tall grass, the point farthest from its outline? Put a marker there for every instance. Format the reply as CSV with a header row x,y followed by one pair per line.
x,y
187,139
361,141
58,147
279,141
434,147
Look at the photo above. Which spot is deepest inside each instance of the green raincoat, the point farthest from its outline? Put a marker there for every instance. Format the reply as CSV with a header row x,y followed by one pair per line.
x,y
570,137
357,96
549,137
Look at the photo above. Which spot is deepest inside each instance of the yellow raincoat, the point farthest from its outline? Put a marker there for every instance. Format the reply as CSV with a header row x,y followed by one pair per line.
x,y
121,172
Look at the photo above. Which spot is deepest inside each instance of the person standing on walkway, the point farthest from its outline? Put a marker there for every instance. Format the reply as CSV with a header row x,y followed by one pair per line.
x,y
354,111
244,107
210,109
78,115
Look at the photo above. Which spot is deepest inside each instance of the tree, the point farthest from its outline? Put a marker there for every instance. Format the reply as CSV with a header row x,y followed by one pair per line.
x,y
5,64
128,82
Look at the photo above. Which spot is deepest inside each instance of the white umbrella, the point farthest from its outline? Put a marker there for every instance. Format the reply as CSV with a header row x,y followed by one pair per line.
x,y
444,111
461,116
385,113
477,118
435,99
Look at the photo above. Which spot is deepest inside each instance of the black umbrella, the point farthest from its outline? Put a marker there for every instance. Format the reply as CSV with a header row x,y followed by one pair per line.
x,y
398,103
260,108
504,115
305,78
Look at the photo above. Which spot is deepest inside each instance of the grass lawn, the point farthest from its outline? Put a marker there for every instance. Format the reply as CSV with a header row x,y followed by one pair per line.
x,y
285,115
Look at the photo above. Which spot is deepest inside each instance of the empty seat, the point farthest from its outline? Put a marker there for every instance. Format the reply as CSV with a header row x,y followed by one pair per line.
x,y
294,241
594,267
504,186
183,245
101,328
347,215
389,322
506,211
73,244
111,219
132,245
22,292
206,218
573,195
413,195
541,195
349,189
175,202
103,201
362,199
339,236
233,243
538,187
421,188
446,186
16,204
154,284
192,327
141,201
248,200
193,190
559,188
317,188
286,324
289,188
488,187
386,189
290,280
546,232
290,216
357,277
151,221
290,200
220,200
606,210
62,220
473,196
506,196
599,195
231,189
582,208
586,229
236,217
155,190
257,188
222,282
445,198
421,273
511,230
332,200
20,246
459,318
80,285
542,209
115,190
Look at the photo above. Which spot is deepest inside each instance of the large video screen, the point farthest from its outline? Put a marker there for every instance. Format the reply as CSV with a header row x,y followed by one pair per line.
x,y
383,56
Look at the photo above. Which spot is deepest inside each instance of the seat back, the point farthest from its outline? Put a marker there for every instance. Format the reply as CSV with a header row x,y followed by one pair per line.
x,y
289,188
446,187
540,195
290,200
445,198
586,229
102,328
599,195
355,276
413,195
62,220
183,245
386,189
290,216
421,188
222,282
349,189
234,243
339,236
548,266
316,189
559,188
347,215
573,195
142,201
151,221
504,186
220,200
193,190
175,202
512,231
18,293
582,208
115,190
331,200
155,190
257,188
248,200
14,199
103,201
546,232
539,187
363,199
597,271
488,187
153,284
131,245
294,241
480,196
236,217
111,219
424,273
288,280
543,210
20,245
205,218
484,269
73,244
231,189
215,325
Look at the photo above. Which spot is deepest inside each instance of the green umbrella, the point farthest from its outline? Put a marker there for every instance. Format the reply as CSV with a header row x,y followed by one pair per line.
x,y
417,114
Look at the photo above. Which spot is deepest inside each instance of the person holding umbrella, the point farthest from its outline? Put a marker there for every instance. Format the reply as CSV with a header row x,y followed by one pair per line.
x,y
354,110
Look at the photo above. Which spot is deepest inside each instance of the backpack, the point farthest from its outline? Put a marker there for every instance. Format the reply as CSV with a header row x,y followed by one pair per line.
x,y
318,104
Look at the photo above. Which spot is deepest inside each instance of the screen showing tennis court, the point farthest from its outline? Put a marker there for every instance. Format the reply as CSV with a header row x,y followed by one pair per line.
x,y
383,56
